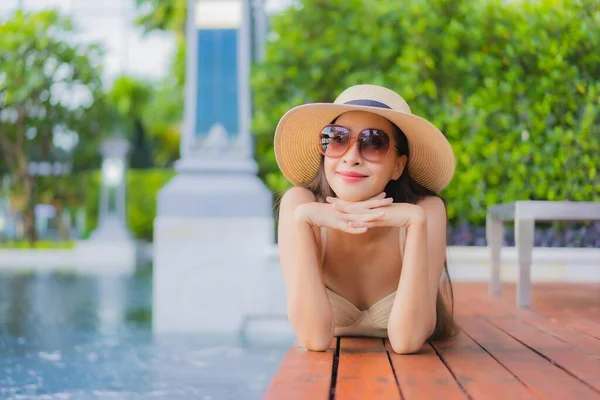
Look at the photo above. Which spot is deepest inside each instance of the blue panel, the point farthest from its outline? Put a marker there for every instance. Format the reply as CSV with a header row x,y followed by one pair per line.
x,y
217,97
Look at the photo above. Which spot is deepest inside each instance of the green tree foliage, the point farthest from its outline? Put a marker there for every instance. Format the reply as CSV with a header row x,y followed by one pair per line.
x,y
149,114
166,16
130,97
163,119
50,91
63,193
515,86
142,187
162,15
164,113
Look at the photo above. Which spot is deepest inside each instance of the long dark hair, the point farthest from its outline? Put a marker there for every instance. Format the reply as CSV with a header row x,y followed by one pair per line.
x,y
406,190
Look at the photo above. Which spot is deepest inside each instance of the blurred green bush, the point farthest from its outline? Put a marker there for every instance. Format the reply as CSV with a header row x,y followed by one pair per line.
x,y
142,189
515,86
39,244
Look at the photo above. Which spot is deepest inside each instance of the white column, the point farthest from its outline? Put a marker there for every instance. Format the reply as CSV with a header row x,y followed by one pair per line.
x,y
121,201
104,201
260,21
495,236
214,224
188,138
244,145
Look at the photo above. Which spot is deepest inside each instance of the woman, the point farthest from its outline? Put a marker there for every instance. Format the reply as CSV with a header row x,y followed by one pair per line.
x,y
362,235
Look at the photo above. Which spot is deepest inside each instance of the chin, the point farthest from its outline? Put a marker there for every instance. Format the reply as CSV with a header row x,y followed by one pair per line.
x,y
353,199
351,195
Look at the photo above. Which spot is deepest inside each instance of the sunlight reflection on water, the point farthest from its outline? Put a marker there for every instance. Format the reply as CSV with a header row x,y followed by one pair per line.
x,y
74,337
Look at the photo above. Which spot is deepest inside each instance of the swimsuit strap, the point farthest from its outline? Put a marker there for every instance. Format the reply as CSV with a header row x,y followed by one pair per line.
x,y
323,243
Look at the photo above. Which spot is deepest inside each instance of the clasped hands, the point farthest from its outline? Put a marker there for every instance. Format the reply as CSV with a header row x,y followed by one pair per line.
x,y
358,217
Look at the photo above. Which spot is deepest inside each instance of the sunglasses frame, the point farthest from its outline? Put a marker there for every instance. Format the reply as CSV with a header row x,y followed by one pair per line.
x,y
351,140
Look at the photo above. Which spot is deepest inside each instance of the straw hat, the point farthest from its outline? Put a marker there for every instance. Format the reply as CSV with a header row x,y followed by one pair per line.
x,y
431,160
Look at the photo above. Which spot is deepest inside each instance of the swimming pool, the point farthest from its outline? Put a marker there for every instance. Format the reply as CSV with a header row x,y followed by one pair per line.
x,y
66,336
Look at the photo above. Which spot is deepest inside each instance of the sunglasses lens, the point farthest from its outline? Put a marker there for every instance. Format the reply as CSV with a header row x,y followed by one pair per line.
x,y
374,144
334,140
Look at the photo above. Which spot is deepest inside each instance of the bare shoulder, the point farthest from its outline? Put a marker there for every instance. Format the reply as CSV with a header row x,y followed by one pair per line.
x,y
298,194
295,196
433,207
432,202
292,198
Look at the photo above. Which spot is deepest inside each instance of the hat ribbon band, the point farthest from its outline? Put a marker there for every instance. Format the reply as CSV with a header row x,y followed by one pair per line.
x,y
368,103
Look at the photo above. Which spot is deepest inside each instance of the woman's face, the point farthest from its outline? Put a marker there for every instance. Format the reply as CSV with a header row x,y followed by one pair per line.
x,y
373,176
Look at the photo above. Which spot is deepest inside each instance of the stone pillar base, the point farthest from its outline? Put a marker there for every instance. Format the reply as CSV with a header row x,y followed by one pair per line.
x,y
106,257
212,235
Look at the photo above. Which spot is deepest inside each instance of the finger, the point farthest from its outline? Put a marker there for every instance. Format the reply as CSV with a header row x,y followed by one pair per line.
x,y
369,204
345,206
347,227
364,217
364,225
379,196
338,204
363,207
342,207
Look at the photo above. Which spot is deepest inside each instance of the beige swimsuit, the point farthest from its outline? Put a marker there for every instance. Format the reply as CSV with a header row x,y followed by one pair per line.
x,y
349,320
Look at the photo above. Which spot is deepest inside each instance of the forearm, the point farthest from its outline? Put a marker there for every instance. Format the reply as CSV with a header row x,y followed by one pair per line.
x,y
412,318
309,309
308,306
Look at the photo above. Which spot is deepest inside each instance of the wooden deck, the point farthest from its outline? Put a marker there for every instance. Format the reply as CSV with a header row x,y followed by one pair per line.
x,y
550,351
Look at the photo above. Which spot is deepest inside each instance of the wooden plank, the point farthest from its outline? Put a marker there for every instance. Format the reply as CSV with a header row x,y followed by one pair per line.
x,y
468,299
478,373
423,375
537,373
471,302
586,368
551,299
303,374
576,305
579,340
551,350
566,301
364,371
584,306
586,326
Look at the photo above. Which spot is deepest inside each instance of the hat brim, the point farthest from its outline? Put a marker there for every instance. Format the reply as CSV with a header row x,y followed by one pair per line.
x,y
431,161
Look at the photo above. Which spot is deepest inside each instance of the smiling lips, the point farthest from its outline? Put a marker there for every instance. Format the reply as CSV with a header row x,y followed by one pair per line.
x,y
351,177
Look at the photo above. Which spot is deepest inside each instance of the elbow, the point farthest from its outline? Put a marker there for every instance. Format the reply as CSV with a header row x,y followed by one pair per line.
x,y
409,341
315,337
316,342
314,334
406,345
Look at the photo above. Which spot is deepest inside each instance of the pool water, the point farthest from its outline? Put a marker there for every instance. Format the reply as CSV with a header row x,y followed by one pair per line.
x,y
66,336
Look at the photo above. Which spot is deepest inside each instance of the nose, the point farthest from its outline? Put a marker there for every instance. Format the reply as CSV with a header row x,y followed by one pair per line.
x,y
352,156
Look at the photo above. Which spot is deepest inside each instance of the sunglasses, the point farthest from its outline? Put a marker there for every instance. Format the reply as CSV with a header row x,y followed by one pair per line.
x,y
373,144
